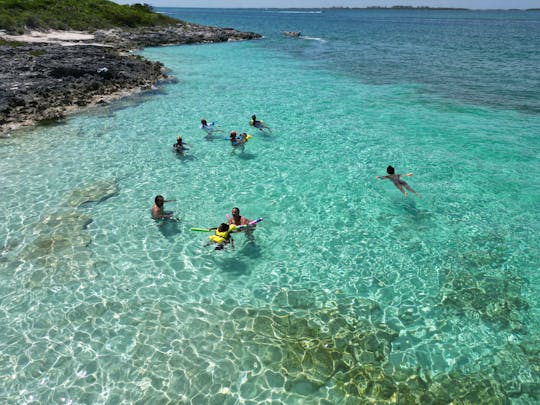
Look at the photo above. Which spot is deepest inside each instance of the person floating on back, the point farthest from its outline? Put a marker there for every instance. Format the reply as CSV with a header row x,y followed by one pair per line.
x,y
209,128
260,125
222,235
157,210
400,184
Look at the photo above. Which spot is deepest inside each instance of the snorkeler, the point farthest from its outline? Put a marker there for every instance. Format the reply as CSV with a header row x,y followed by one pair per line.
x,y
157,210
209,128
260,125
400,184
222,235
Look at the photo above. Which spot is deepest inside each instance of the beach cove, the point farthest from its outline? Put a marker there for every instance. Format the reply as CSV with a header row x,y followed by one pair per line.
x,y
351,292
49,74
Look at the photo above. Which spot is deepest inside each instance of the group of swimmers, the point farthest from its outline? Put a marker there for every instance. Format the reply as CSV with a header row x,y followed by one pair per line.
x,y
236,222
236,140
222,233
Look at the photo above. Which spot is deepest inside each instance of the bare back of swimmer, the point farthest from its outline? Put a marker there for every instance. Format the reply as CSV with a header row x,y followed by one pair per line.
x,y
400,184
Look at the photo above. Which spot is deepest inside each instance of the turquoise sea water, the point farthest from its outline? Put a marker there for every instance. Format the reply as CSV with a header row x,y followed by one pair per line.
x,y
350,292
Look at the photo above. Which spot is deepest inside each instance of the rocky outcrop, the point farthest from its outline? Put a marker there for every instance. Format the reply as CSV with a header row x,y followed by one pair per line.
x,y
45,81
41,82
175,35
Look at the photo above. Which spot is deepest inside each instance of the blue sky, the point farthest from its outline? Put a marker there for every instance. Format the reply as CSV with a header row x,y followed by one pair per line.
x,y
474,4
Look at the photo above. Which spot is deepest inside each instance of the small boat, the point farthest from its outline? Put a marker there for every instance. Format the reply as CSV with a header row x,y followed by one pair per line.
x,y
292,33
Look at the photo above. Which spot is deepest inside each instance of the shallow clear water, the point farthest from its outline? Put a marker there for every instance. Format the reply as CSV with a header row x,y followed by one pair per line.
x,y
350,291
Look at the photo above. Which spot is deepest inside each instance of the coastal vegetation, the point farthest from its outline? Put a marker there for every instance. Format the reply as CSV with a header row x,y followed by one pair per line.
x,y
17,16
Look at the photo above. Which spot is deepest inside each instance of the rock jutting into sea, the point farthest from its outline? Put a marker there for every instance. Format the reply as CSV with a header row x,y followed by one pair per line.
x,y
46,75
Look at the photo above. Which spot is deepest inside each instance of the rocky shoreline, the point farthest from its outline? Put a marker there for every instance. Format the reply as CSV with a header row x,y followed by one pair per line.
x,y
43,79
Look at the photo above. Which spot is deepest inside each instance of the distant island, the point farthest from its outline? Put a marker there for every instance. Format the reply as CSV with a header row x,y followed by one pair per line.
x,y
59,56
422,8
400,8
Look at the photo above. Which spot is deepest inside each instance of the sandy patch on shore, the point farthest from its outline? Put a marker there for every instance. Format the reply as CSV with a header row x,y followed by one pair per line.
x,y
66,38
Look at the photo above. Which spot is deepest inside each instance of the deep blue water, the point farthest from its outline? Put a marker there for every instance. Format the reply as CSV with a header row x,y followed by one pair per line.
x,y
478,57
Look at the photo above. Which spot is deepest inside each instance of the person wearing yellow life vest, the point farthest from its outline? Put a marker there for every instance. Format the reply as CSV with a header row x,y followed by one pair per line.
x,y
238,141
222,235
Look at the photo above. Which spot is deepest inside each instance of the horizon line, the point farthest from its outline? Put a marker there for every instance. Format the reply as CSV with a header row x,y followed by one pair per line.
x,y
419,8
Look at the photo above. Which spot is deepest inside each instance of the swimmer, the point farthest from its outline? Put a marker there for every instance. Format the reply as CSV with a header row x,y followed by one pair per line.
x,y
222,236
400,184
238,141
179,146
157,209
260,125
237,219
209,128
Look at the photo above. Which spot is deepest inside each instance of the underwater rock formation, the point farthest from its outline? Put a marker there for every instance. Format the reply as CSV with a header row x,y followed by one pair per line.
x,y
98,191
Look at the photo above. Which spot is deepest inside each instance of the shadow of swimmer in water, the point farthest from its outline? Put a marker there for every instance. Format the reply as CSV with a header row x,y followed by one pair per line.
x,y
169,227
233,265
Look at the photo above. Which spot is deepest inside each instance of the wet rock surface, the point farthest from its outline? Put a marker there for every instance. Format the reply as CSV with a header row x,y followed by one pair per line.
x,y
40,82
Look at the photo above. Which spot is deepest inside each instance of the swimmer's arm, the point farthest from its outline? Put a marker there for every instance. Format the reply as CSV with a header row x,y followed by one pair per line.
x,y
407,174
382,177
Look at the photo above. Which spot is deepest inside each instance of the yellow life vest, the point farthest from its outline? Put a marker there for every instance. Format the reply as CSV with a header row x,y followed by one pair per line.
x,y
222,237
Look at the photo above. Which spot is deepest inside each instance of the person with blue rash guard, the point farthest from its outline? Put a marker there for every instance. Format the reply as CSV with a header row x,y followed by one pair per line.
x,y
238,141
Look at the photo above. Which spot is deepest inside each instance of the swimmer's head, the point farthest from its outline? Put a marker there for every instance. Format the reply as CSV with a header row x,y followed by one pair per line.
x,y
179,139
203,121
254,117
390,170
235,211
233,134
159,200
223,227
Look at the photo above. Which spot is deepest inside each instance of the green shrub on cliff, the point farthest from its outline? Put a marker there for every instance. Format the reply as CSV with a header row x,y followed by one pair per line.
x,y
21,15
